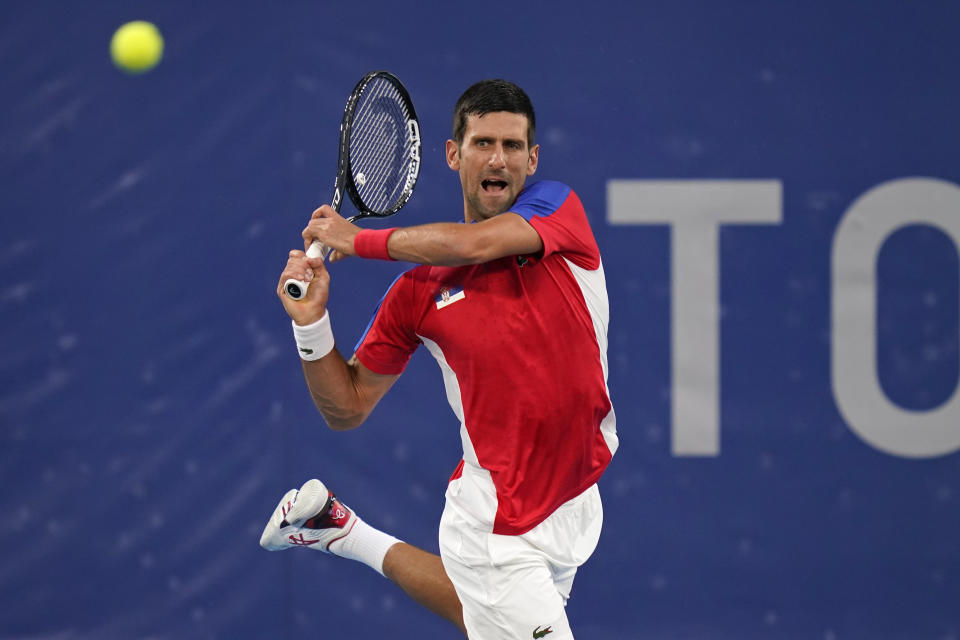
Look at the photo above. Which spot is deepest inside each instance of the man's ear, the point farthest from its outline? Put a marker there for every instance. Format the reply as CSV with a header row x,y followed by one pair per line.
x,y
453,155
533,160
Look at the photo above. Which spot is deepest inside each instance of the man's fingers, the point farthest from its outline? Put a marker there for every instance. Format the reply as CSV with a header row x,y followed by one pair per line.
x,y
325,211
309,234
317,230
300,267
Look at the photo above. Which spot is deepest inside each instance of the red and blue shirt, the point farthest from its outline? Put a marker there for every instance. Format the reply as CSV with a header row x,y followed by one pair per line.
x,y
522,343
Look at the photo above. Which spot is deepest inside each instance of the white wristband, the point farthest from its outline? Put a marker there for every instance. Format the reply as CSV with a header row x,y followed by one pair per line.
x,y
314,340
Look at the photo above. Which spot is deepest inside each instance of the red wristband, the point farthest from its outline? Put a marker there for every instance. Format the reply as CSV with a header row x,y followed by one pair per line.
x,y
372,243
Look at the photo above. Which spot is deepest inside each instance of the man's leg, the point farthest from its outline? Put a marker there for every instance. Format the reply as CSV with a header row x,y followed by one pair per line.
x,y
421,576
314,518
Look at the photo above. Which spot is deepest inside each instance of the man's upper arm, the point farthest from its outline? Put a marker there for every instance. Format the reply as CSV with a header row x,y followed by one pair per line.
x,y
371,386
507,234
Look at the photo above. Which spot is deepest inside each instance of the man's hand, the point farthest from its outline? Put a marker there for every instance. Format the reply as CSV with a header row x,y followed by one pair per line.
x,y
333,230
312,270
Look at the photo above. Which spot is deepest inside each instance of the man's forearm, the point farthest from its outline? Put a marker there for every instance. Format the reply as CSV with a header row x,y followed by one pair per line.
x,y
452,244
332,383
441,244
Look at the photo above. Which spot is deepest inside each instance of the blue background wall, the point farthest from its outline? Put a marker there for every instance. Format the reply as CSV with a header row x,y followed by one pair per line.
x,y
152,410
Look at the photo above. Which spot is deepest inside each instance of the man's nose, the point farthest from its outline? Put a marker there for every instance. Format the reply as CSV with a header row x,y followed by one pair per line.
x,y
496,157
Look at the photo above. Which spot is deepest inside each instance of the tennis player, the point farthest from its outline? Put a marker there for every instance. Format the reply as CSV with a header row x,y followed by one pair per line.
x,y
513,306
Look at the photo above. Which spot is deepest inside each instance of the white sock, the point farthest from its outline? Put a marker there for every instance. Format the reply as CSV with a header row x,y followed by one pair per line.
x,y
364,544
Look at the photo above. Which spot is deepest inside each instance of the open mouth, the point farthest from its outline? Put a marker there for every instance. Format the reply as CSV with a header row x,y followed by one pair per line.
x,y
493,185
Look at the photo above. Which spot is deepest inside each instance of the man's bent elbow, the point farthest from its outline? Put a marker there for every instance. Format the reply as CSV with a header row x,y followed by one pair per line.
x,y
338,421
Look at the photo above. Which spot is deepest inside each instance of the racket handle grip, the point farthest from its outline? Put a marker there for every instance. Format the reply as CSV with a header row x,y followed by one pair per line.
x,y
297,289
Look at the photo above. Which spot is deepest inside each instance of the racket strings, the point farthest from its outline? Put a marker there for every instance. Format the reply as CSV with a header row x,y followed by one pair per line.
x,y
380,146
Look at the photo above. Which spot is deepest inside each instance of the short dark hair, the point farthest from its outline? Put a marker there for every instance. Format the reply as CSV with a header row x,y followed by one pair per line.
x,y
488,96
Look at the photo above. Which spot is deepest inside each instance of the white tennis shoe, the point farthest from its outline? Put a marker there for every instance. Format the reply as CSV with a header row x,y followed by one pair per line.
x,y
311,517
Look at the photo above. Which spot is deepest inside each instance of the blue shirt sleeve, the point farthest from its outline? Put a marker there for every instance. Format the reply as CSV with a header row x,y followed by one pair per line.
x,y
541,198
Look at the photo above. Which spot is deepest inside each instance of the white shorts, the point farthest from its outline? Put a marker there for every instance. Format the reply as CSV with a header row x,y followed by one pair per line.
x,y
517,586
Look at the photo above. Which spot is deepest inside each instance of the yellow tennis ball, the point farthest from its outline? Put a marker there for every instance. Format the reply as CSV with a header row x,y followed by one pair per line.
x,y
136,47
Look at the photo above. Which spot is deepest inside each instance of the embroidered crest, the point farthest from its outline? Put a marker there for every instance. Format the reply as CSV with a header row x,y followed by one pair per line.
x,y
449,295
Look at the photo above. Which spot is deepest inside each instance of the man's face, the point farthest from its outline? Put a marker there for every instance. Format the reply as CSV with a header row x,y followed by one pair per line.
x,y
494,161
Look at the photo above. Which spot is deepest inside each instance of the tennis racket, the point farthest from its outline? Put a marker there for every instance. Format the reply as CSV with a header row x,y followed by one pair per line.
x,y
379,159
